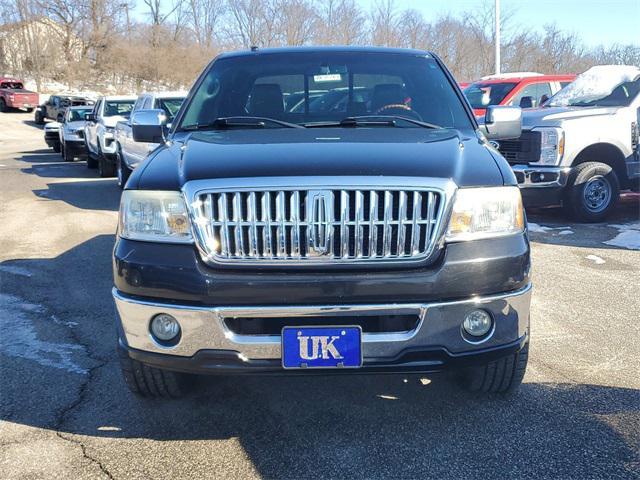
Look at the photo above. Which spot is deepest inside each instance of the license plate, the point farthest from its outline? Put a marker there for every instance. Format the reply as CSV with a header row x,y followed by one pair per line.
x,y
322,347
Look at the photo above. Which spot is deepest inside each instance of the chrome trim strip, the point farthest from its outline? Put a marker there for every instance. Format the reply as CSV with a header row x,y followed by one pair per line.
x,y
528,170
204,327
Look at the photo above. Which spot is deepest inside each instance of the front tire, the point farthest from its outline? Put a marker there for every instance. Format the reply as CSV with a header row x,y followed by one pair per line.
x,y
105,166
123,172
3,105
65,153
57,147
501,376
594,190
146,381
39,117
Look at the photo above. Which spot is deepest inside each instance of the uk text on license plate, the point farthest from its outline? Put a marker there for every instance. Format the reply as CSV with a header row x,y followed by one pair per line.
x,y
322,347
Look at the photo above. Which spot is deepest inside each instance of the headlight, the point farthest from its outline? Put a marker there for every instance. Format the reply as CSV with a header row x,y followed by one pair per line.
x,y
154,216
485,213
551,145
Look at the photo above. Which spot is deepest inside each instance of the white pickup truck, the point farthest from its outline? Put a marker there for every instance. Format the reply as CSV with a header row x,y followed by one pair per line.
x,y
99,131
129,153
579,149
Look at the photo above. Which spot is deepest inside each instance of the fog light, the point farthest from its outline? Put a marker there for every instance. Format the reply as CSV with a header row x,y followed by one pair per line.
x,y
164,327
477,323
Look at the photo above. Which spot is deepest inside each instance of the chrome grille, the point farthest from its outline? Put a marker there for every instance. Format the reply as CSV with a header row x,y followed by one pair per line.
x,y
317,226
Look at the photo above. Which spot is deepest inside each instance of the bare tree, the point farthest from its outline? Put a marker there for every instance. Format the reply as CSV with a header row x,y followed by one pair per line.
x,y
385,24
340,22
205,15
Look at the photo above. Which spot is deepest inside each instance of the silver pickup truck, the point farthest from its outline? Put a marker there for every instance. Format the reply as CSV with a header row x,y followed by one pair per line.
x,y
579,149
129,153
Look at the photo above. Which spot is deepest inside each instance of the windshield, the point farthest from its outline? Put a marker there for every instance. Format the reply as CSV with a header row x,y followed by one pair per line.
x,y
603,86
170,106
78,115
481,95
118,107
326,87
12,85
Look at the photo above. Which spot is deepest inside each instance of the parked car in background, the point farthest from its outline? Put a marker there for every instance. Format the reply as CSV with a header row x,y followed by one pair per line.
x,y
14,95
72,133
130,153
55,107
521,89
382,236
99,131
52,135
578,149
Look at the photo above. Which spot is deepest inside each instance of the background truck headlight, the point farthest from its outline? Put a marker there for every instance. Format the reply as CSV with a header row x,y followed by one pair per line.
x,y
154,216
485,213
551,145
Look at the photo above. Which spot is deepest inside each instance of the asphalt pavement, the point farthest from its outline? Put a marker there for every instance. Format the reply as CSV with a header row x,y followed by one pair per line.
x,y
66,413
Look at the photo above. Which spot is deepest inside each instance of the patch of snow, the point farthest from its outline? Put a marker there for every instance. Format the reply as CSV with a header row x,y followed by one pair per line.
x,y
23,272
596,259
20,338
595,83
629,236
534,227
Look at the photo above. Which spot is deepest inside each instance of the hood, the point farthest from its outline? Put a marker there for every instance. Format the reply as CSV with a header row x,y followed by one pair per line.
x,y
410,152
557,115
52,126
111,121
78,124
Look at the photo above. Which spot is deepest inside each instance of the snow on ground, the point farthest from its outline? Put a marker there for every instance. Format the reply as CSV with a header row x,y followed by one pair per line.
x,y
628,236
20,338
596,259
536,228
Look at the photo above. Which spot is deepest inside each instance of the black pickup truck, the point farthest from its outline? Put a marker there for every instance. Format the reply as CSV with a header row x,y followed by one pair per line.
x,y
367,228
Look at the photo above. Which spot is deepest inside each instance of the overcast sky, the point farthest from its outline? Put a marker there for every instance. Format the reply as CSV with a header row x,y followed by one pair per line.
x,y
594,21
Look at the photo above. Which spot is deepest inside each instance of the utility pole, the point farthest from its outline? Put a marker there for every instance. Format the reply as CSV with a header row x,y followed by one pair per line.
x,y
497,39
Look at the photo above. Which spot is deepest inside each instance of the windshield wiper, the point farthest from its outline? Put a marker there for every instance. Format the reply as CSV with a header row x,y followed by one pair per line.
x,y
223,123
373,121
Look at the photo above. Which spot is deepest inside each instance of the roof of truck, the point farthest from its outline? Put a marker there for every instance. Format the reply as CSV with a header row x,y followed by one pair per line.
x,y
165,94
328,49
517,78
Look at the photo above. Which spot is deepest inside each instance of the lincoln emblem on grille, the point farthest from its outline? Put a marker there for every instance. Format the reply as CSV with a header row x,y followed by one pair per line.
x,y
319,216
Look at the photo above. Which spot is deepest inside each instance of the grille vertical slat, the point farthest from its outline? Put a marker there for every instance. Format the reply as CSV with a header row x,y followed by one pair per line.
x,y
252,213
373,227
266,229
402,218
223,216
281,231
358,230
352,225
237,228
416,215
387,232
295,229
344,228
430,217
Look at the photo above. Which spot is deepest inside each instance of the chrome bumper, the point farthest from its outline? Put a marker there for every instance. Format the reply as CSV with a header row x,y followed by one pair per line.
x,y
203,328
541,177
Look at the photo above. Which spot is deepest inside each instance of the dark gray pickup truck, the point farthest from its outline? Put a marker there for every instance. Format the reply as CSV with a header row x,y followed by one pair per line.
x,y
367,228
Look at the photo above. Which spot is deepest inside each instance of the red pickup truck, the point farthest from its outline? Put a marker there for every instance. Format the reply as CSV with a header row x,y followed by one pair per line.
x,y
14,95
521,89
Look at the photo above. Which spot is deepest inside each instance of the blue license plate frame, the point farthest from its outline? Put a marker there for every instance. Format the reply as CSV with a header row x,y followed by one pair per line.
x,y
348,345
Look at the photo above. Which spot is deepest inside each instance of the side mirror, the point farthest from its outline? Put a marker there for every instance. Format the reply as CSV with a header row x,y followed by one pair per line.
x,y
543,99
501,123
149,126
90,117
526,102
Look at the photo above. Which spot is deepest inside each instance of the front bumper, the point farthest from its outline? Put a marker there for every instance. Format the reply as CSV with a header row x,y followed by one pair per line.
x,y
541,186
77,148
208,345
